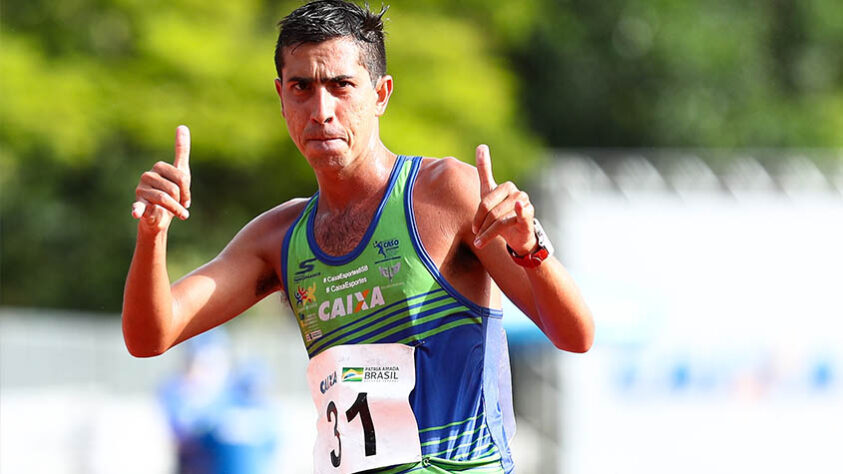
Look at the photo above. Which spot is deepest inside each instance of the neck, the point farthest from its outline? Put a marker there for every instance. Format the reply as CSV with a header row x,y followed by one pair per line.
x,y
363,179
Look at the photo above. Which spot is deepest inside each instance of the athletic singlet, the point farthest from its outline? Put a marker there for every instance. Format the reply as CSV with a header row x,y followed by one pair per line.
x,y
388,290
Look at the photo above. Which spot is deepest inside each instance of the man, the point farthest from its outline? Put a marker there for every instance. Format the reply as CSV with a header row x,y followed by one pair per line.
x,y
392,268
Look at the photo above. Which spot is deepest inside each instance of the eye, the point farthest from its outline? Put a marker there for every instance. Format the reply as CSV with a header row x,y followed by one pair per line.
x,y
300,86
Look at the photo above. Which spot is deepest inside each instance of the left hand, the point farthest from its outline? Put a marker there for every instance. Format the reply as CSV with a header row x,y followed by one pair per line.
x,y
504,210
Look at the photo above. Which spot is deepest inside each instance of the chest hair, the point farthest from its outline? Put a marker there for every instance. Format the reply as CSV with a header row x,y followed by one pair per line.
x,y
338,233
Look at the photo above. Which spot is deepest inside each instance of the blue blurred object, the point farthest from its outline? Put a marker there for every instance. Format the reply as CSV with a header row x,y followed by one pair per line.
x,y
680,376
222,419
823,375
520,330
245,434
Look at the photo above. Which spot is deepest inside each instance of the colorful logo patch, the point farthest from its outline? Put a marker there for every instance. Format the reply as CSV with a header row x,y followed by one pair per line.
x,y
352,374
305,295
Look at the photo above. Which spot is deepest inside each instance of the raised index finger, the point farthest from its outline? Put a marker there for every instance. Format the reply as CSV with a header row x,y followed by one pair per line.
x,y
182,158
484,169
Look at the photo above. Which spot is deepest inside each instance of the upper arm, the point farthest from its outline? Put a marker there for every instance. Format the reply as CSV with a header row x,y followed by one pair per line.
x,y
510,278
547,294
243,273
457,184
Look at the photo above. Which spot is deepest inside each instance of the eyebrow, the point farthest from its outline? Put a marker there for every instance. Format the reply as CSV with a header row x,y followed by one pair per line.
x,y
310,80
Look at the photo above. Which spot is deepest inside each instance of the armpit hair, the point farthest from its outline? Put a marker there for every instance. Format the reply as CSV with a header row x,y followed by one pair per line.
x,y
266,284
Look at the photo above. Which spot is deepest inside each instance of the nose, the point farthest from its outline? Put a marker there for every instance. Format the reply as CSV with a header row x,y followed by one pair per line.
x,y
323,107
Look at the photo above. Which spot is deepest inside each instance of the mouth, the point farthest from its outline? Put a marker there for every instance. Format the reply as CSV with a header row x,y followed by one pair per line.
x,y
323,139
325,143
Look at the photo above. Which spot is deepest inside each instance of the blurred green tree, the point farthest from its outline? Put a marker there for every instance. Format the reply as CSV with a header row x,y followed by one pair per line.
x,y
92,91
685,73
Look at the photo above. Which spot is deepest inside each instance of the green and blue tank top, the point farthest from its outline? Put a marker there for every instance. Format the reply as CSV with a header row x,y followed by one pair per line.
x,y
388,290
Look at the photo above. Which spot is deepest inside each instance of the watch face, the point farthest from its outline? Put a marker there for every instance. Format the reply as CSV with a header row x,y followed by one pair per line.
x,y
541,237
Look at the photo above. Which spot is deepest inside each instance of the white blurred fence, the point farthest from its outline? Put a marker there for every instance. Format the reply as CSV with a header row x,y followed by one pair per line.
x,y
72,399
715,282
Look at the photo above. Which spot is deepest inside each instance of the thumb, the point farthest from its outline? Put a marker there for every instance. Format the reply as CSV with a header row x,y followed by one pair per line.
x,y
484,169
182,150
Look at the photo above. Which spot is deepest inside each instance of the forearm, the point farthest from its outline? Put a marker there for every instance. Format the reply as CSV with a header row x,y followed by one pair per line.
x,y
148,315
560,309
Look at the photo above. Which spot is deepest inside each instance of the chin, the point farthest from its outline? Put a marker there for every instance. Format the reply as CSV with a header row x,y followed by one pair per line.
x,y
327,160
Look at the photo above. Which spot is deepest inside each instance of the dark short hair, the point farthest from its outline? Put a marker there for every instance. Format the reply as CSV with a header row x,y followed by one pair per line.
x,y
322,20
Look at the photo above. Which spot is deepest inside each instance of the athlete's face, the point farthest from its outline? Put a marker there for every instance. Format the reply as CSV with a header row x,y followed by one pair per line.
x,y
329,103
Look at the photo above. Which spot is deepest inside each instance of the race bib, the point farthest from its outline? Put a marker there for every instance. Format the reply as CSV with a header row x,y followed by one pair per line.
x,y
364,419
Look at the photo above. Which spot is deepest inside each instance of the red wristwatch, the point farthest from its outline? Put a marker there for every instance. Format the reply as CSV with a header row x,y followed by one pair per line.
x,y
534,259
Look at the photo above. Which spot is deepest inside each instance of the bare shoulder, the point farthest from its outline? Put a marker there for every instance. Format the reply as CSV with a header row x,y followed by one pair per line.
x,y
266,231
448,180
446,196
258,246
279,217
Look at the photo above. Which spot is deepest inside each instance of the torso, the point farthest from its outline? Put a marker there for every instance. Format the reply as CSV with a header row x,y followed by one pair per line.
x,y
407,276
442,228
443,224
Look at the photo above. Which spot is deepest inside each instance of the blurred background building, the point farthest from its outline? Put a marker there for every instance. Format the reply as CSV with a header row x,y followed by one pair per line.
x,y
685,156
717,298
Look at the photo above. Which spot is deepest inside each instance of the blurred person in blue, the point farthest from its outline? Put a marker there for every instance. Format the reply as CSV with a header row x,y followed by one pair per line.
x,y
394,269
245,434
192,398
221,418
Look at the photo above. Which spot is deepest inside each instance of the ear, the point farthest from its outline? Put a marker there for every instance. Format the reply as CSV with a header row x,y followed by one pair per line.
x,y
278,87
384,91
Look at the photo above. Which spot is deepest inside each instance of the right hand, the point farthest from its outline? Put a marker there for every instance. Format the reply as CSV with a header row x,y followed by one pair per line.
x,y
164,191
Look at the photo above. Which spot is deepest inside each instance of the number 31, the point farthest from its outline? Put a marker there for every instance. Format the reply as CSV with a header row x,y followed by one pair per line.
x,y
360,406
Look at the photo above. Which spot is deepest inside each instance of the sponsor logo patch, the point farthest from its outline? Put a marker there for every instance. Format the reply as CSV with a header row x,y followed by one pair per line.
x,y
313,335
390,270
351,303
369,374
306,268
329,382
387,249
352,374
305,295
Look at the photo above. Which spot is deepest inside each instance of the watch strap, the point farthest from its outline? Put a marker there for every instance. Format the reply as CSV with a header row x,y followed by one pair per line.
x,y
531,260
534,259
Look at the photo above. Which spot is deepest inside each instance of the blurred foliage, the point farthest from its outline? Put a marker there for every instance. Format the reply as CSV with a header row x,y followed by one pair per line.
x,y
686,73
92,91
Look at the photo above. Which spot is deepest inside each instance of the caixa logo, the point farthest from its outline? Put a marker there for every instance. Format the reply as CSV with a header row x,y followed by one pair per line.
x,y
351,304
329,382
386,247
